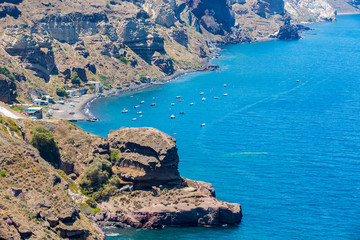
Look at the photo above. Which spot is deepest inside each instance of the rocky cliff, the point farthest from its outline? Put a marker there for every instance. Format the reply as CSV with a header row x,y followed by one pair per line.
x,y
118,42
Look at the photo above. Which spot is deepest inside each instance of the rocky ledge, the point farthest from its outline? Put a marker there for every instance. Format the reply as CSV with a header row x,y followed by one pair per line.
x,y
192,203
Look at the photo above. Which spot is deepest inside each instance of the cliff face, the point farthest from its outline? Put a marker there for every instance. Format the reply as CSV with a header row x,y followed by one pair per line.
x,y
115,42
310,10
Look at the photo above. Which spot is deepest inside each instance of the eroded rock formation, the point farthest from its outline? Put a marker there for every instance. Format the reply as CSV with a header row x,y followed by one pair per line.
x,y
148,156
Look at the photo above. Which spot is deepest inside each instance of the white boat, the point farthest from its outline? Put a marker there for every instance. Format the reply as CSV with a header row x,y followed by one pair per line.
x,y
133,119
137,106
203,99
202,93
139,112
192,104
177,97
142,102
124,111
202,125
225,85
131,96
172,104
172,116
140,115
225,94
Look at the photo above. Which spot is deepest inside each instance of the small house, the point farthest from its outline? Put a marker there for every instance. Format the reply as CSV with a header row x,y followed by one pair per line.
x,y
49,100
39,102
82,91
35,112
97,86
72,93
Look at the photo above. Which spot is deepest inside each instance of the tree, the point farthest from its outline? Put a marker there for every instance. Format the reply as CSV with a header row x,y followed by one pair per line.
x,y
75,79
142,78
7,73
61,92
43,140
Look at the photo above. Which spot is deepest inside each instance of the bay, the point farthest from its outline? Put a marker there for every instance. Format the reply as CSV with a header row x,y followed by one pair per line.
x,y
284,142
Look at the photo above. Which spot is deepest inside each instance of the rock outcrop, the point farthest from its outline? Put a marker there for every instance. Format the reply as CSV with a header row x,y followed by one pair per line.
x,y
288,32
148,157
160,197
7,89
215,15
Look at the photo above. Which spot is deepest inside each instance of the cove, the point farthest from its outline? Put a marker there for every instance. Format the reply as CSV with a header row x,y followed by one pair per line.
x,y
288,151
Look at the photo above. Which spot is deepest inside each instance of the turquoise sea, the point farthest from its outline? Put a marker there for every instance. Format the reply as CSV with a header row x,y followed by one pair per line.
x,y
288,151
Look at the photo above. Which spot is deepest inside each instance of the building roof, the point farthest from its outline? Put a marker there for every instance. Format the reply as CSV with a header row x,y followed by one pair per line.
x,y
34,109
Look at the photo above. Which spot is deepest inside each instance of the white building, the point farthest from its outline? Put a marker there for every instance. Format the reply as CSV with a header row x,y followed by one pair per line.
x,y
49,99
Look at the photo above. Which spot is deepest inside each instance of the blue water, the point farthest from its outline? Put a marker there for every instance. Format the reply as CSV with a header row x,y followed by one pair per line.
x,y
287,150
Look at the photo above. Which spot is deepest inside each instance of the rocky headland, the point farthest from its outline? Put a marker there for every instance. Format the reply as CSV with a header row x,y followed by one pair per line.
x,y
57,181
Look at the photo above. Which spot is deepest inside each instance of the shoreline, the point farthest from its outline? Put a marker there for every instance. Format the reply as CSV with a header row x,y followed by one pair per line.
x,y
80,105
82,111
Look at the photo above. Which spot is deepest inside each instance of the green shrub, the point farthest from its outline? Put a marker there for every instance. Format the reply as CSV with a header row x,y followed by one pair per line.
x,y
2,174
98,181
96,210
142,78
7,73
115,155
96,175
91,202
61,92
75,79
43,140
104,80
123,59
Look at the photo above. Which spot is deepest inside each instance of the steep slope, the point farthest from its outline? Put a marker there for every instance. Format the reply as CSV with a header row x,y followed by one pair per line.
x,y
34,203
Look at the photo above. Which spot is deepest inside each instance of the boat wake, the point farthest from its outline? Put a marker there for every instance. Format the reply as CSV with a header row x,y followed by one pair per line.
x,y
216,122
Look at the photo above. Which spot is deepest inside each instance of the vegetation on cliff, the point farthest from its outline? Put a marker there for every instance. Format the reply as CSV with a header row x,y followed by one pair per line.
x,y
43,140
98,180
